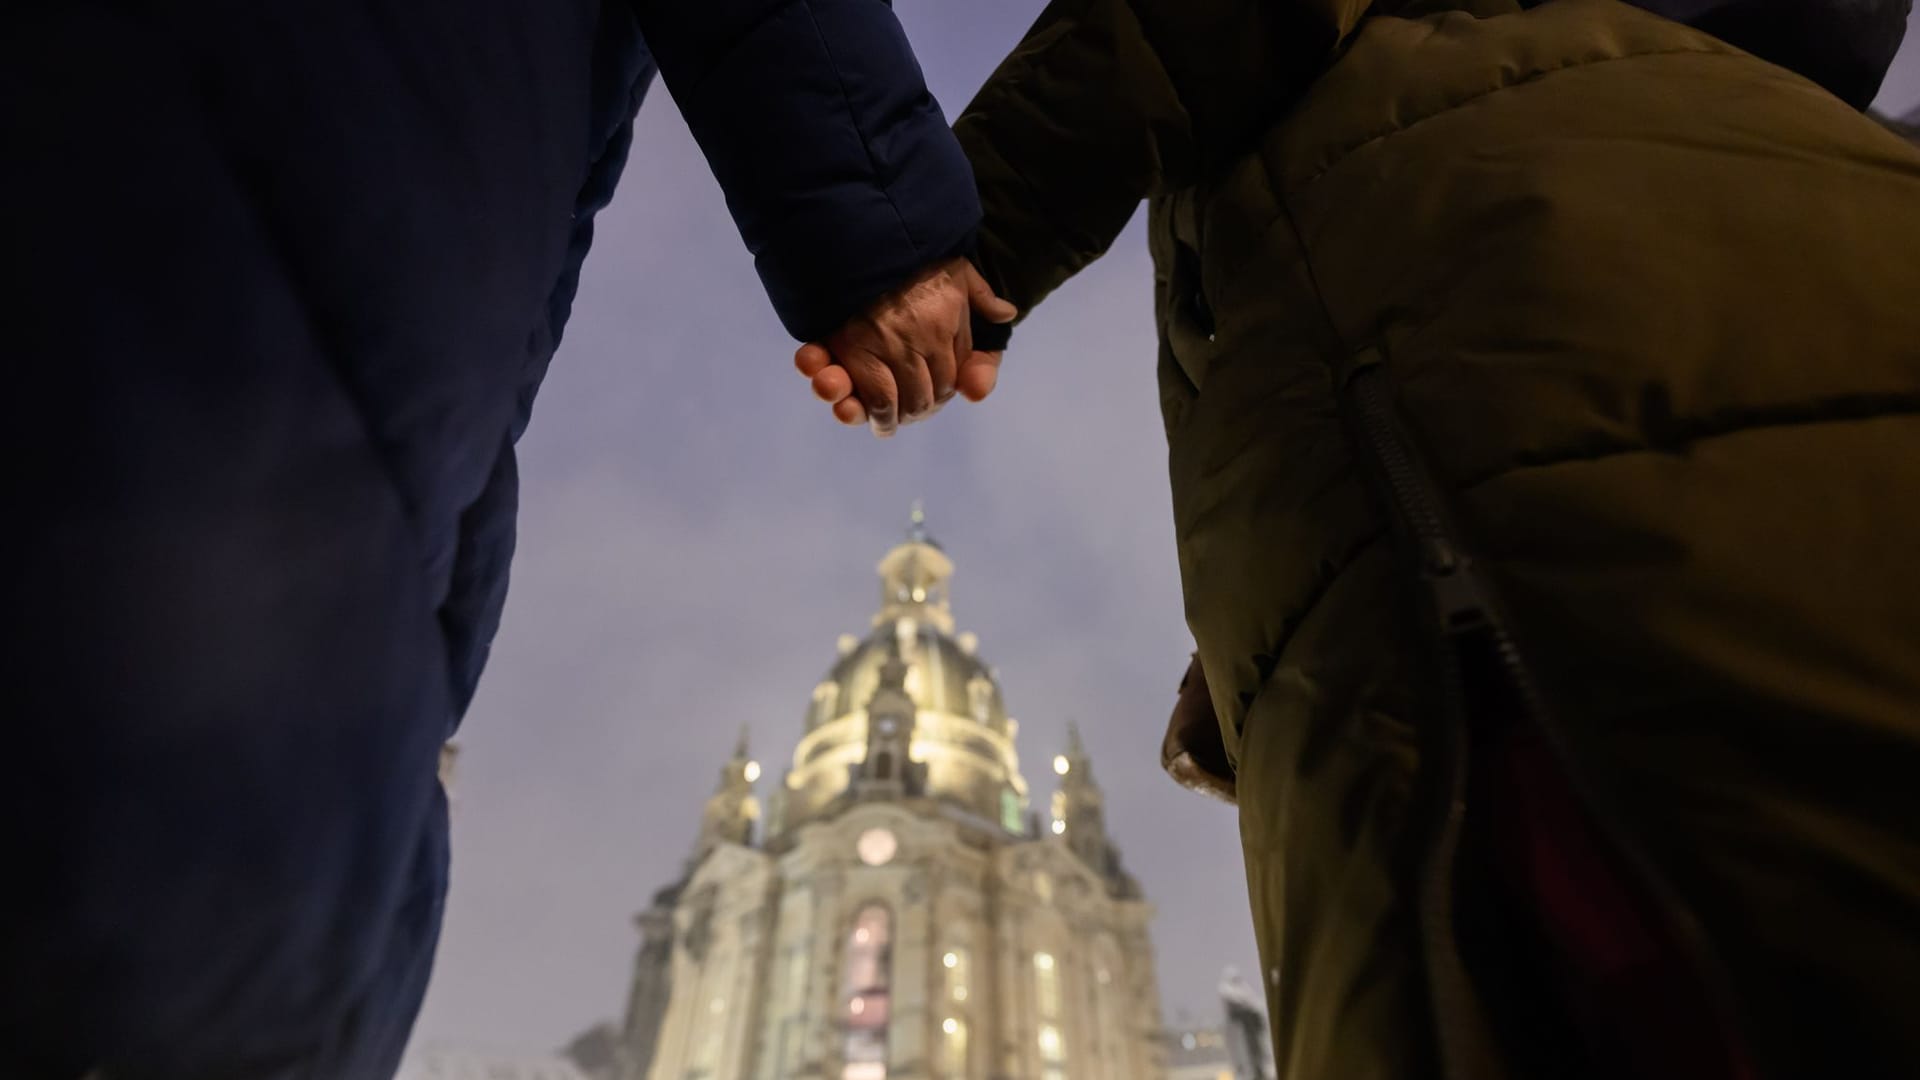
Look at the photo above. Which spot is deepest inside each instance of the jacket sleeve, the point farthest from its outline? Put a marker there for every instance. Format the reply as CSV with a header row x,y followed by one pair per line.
x,y
837,164
1846,46
1107,102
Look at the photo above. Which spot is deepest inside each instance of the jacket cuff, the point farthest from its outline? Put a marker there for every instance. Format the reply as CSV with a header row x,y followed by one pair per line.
x,y
990,336
829,267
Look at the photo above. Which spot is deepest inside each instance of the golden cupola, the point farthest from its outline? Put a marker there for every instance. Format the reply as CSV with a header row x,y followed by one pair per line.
x,y
913,683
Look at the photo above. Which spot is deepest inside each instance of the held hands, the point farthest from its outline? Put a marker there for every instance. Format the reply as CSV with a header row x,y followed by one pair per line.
x,y
906,356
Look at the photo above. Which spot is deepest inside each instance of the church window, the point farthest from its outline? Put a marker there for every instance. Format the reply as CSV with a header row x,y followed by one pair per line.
x,y
1053,1053
883,767
877,847
868,995
1046,982
957,966
1009,810
953,1048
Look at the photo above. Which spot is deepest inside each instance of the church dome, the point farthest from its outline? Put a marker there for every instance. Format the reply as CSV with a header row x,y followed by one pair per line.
x,y
961,734
943,676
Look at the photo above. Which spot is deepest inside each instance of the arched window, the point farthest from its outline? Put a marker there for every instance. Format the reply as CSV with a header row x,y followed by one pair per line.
x,y
956,963
1053,1046
867,995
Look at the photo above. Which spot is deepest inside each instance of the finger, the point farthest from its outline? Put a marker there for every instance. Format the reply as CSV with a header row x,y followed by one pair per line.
x,y
962,351
874,386
850,412
832,384
913,382
943,367
979,376
981,298
812,359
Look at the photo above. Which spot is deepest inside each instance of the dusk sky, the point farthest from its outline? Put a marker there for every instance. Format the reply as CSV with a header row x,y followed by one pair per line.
x,y
695,532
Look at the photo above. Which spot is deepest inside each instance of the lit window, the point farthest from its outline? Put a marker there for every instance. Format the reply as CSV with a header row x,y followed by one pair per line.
x,y
1046,984
877,847
1009,810
953,1048
1053,1053
956,963
868,993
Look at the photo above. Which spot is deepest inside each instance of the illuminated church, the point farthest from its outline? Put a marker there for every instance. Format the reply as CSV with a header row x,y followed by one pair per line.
x,y
898,912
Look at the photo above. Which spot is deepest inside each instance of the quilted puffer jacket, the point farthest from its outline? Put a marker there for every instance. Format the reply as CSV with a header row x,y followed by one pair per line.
x,y
283,277
1542,392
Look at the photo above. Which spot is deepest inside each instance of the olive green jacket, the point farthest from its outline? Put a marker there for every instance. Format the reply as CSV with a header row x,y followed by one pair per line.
x,y
1646,313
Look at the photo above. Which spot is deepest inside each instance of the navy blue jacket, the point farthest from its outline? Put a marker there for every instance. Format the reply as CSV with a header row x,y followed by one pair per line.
x,y
281,279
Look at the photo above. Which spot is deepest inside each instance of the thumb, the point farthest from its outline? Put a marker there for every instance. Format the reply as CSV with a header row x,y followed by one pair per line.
x,y
978,376
981,298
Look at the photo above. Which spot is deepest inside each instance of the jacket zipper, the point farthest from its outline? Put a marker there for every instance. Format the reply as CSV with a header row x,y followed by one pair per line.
x,y
1464,613
1464,1053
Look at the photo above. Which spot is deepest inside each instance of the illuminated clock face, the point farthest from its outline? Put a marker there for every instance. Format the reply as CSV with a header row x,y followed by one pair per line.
x,y
877,847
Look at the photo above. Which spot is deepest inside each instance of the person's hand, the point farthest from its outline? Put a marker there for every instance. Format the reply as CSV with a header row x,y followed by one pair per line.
x,y
902,359
1193,751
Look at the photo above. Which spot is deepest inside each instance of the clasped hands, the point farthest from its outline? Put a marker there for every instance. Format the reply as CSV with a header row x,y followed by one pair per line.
x,y
910,353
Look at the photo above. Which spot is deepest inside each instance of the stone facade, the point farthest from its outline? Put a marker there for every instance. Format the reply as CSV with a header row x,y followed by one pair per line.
x,y
900,914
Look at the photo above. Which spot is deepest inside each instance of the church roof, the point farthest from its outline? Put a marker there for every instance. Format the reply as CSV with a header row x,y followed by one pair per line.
x,y
941,677
943,674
